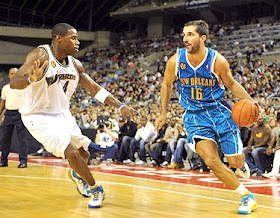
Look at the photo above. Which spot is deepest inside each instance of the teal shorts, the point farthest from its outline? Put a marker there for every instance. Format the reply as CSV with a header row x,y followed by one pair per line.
x,y
216,124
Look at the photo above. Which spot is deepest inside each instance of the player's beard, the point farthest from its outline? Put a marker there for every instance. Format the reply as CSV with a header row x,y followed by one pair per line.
x,y
194,47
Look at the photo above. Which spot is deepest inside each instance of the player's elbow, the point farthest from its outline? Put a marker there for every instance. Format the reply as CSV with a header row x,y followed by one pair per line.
x,y
13,85
230,85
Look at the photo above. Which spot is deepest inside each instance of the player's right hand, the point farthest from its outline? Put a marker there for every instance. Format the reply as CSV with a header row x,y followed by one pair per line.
x,y
130,112
160,121
37,71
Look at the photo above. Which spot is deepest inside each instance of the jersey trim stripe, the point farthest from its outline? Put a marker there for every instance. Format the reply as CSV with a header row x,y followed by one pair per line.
x,y
46,69
57,61
201,63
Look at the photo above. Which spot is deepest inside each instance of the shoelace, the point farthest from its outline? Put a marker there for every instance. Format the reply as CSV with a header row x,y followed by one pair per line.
x,y
245,201
85,185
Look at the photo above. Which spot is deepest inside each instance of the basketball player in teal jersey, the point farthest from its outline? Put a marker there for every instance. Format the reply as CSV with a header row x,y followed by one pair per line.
x,y
48,77
201,74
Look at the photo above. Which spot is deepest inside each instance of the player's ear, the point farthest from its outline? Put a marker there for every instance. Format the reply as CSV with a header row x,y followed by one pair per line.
x,y
58,38
203,38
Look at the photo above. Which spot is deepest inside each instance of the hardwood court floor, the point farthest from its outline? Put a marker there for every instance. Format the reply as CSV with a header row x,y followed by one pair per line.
x,y
46,191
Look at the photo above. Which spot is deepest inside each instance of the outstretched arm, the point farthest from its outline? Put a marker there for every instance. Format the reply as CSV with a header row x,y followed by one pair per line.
x,y
101,94
32,69
166,89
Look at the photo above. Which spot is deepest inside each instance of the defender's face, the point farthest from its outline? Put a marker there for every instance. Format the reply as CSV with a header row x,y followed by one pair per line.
x,y
191,39
71,42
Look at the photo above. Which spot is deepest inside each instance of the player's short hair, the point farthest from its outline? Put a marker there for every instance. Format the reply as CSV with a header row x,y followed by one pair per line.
x,y
61,29
202,27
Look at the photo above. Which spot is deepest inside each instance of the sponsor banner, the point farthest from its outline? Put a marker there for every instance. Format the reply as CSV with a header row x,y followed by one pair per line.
x,y
196,4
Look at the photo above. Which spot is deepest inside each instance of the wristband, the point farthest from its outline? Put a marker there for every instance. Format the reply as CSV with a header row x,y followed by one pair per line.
x,y
102,94
28,80
253,147
121,106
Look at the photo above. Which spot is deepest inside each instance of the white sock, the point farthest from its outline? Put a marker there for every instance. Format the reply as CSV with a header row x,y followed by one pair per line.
x,y
242,190
94,186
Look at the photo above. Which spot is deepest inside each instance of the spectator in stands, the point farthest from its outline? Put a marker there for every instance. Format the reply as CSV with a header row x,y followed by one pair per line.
x,y
171,146
145,133
10,100
259,138
156,146
245,135
272,123
271,155
179,154
105,142
128,130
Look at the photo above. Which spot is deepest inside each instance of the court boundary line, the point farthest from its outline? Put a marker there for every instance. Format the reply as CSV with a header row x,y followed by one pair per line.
x,y
185,184
143,187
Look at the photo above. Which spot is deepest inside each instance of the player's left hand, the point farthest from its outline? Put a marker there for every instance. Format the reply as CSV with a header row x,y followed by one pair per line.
x,y
160,121
129,111
37,70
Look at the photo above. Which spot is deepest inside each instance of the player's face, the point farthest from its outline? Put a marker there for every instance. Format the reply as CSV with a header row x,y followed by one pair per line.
x,y
191,39
71,42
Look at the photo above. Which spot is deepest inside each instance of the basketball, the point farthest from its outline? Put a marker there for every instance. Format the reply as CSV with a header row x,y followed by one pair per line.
x,y
245,113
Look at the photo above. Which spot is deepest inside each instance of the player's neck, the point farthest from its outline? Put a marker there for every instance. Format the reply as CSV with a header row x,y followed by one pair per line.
x,y
60,56
197,57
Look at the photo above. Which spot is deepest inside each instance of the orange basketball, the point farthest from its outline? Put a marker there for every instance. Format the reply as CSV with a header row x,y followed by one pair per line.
x,y
245,113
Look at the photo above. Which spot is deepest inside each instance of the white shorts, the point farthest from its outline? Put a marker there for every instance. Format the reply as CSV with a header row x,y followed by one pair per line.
x,y
56,132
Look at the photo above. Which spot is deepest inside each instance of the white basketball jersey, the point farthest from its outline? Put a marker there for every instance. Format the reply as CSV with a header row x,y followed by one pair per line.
x,y
52,92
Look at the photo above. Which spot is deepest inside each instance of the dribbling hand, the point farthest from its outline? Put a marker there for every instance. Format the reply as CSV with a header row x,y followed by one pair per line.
x,y
37,71
259,108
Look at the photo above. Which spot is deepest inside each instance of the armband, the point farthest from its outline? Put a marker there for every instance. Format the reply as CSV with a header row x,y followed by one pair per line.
x,y
121,106
102,94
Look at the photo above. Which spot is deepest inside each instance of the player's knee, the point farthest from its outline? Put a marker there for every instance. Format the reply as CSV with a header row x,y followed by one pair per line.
x,y
236,161
213,162
72,154
84,154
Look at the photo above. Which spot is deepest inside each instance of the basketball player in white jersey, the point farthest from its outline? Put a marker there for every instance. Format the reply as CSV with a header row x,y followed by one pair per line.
x,y
49,77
